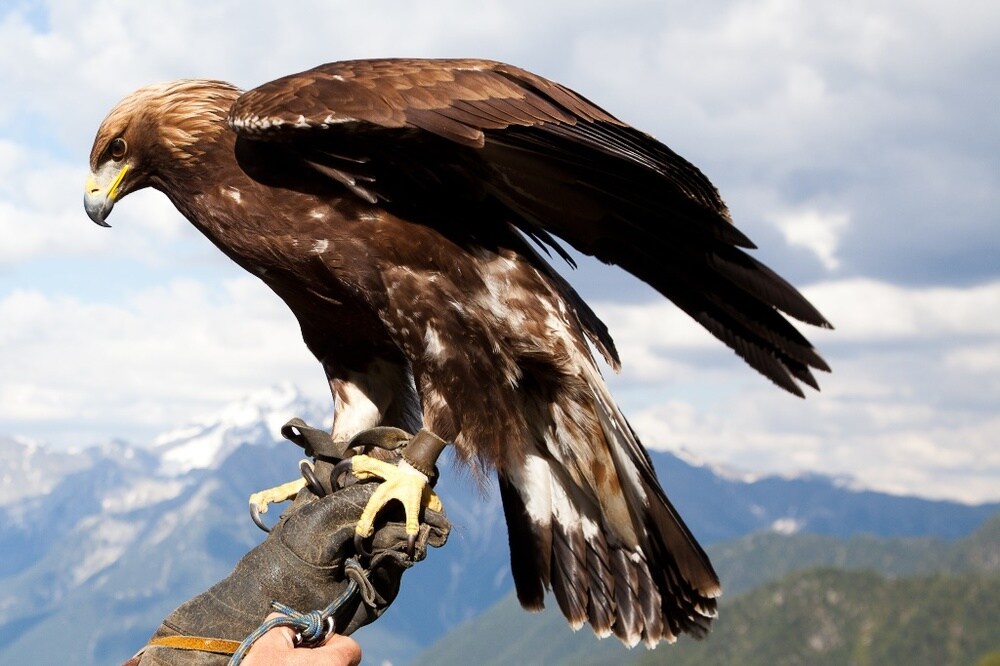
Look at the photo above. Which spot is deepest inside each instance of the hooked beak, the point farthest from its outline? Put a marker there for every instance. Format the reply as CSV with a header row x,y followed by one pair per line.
x,y
101,191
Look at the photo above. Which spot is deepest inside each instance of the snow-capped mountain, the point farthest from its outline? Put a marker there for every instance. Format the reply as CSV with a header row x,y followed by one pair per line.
x,y
255,420
129,532
27,469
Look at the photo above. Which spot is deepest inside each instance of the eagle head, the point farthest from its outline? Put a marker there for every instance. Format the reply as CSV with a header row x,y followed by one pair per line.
x,y
149,135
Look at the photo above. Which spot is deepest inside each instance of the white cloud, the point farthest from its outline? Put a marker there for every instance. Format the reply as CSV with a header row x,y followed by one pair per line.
x,y
976,360
41,214
869,310
76,369
861,310
815,231
874,110
899,445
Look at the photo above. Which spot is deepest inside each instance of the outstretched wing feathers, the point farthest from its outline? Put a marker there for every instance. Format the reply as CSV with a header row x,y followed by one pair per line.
x,y
550,162
425,94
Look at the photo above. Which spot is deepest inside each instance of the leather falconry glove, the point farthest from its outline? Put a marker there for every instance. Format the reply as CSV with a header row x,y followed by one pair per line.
x,y
303,562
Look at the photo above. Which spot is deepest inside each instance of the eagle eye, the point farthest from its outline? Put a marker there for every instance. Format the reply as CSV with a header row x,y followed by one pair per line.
x,y
117,148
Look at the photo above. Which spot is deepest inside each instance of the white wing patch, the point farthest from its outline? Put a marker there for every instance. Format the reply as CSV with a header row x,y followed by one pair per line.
x,y
533,481
320,246
362,399
335,120
498,276
432,343
256,123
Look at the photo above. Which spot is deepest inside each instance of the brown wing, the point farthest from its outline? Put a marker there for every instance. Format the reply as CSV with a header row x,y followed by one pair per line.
x,y
481,145
457,99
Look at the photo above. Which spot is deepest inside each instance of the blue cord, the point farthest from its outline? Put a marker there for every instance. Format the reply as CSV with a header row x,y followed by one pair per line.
x,y
311,628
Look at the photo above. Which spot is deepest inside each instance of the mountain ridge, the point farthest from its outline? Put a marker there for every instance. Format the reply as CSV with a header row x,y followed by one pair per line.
x,y
808,570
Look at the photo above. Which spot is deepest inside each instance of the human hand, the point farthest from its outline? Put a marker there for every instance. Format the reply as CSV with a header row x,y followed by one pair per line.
x,y
277,647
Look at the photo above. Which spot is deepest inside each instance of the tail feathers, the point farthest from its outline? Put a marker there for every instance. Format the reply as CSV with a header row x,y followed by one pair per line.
x,y
530,541
601,600
668,541
587,518
570,578
561,539
591,582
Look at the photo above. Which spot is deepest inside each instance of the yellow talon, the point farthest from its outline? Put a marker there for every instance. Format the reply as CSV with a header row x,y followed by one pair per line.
x,y
401,483
285,491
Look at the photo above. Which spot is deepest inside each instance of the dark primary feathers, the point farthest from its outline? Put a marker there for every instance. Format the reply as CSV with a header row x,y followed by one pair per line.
x,y
400,209
398,132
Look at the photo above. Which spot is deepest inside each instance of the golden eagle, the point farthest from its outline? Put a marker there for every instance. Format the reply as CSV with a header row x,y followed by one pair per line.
x,y
398,207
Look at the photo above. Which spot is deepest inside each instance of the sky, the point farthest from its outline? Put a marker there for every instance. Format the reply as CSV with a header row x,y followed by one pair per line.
x,y
857,143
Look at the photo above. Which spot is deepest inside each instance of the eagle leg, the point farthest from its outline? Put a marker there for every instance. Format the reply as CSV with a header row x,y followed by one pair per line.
x,y
409,482
259,501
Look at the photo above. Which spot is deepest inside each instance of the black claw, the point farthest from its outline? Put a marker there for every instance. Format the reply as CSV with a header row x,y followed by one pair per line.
x,y
257,520
312,482
345,466
411,543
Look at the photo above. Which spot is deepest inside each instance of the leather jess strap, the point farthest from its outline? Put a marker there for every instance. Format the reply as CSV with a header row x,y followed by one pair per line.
x,y
199,643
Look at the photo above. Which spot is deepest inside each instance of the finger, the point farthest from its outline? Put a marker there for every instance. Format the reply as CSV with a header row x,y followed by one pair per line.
x,y
272,648
341,650
278,636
